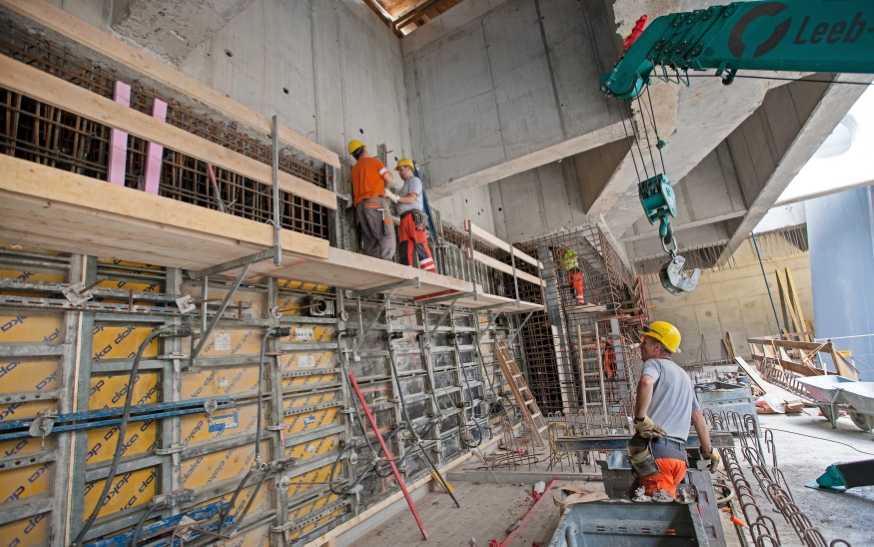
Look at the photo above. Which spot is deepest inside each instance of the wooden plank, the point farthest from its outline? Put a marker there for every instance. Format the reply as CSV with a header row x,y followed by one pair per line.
x,y
67,25
799,368
162,221
506,268
790,286
765,386
789,344
44,87
784,296
499,243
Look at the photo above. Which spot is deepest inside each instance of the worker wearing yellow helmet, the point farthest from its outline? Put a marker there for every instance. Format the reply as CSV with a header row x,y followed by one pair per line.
x,y
665,407
369,194
413,232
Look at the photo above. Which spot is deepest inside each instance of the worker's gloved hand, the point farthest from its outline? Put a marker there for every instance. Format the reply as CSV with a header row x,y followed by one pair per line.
x,y
714,459
391,196
649,430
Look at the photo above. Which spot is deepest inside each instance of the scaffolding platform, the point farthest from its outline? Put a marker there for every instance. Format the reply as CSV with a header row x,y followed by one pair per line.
x,y
63,211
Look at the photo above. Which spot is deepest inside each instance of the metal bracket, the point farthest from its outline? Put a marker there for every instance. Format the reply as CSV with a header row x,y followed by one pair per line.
x,y
210,406
41,427
78,293
245,262
454,299
185,304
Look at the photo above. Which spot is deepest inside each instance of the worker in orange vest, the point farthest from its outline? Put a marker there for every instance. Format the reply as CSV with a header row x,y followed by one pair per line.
x,y
410,206
369,194
570,263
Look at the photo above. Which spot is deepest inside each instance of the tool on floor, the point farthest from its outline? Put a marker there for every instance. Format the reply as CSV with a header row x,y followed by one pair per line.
x,y
517,522
534,419
840,477
388,454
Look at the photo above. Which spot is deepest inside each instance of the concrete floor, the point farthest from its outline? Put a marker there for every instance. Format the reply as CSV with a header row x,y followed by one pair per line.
x,y
484,514
849,516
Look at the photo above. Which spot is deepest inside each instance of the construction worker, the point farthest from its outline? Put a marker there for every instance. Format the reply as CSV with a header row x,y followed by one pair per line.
x,y
665,406
369,177
571,264
410,207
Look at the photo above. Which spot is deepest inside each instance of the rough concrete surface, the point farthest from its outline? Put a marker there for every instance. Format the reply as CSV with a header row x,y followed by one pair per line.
x,y
802,460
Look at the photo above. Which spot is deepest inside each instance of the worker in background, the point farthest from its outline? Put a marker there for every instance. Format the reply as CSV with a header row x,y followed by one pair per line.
x,y
413,234
369,177
571,264
665,406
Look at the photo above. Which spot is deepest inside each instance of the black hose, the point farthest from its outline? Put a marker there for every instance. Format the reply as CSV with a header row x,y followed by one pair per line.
x,y
135,538
122,429
254,495
227,510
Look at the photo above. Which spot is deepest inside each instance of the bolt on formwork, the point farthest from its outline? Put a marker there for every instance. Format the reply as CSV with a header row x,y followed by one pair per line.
x,y
581,350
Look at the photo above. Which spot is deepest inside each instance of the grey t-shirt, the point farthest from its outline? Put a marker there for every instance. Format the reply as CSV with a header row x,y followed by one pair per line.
x,y
673,397
412,186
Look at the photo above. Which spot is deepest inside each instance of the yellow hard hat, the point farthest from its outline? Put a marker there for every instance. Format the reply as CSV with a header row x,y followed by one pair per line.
x,y
665,333
355,145
405,161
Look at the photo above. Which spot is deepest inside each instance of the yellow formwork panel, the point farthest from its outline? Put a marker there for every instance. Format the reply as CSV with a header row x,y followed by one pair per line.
x,y
314,448
44,329
300,401
310,333
312,526
233,342
139,437
111,391
306,421
195,428
310,380
301,285
256,537
223,381
29,532
23,482
18,376
20,447
121,342
293,362
221,465
128,490
304,482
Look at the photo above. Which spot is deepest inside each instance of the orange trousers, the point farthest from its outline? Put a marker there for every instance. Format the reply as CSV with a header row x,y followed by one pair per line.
x,y
413,238
671,473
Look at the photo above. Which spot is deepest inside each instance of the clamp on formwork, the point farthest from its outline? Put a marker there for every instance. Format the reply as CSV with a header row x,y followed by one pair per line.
x,y
357,295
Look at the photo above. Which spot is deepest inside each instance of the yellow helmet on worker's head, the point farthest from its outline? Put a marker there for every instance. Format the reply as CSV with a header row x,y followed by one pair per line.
x,y
665,333
403,162
355,145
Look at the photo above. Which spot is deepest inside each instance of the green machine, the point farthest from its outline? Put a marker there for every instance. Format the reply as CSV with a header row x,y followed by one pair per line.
x,y
831,36
842,476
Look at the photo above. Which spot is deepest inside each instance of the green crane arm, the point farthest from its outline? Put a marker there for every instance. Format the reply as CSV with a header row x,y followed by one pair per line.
x,y
799,35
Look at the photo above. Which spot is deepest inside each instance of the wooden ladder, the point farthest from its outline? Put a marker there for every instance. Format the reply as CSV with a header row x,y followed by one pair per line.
x,y
527,404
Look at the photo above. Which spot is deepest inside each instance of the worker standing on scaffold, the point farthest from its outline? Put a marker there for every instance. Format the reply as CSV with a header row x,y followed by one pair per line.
x,y
369,177
413,233
571,264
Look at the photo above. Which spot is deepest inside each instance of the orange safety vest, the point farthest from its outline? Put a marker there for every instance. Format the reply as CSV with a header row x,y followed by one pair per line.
x,y
367,182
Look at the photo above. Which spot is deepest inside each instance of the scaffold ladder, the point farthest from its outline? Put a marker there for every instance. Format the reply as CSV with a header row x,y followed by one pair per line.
x,y
534,419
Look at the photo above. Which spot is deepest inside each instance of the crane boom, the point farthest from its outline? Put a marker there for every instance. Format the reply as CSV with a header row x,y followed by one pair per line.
x,y
799,35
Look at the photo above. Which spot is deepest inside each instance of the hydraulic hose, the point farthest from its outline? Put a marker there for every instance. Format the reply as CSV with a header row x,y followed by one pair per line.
x,y
135,538
406,414
122,428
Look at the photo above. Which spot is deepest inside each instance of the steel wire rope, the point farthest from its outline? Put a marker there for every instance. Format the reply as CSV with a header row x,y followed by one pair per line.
x,y
646,134
122,429
655,128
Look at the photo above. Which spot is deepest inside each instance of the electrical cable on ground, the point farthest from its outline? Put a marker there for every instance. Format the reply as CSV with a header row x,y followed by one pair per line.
x,y
821,439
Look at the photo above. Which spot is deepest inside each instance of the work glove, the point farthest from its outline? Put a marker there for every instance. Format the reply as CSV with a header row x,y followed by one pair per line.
x,y
648,430
391,196
714,459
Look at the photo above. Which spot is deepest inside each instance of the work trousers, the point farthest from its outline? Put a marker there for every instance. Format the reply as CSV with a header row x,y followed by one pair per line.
x,y
575,278
377,230
671,473
413,236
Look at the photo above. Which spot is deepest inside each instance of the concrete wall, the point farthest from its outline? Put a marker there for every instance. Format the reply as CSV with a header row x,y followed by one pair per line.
x,y
731,300
492,81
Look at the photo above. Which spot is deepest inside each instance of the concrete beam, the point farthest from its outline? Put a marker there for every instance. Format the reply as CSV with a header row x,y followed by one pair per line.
x,y
551,154
772,145
171,30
